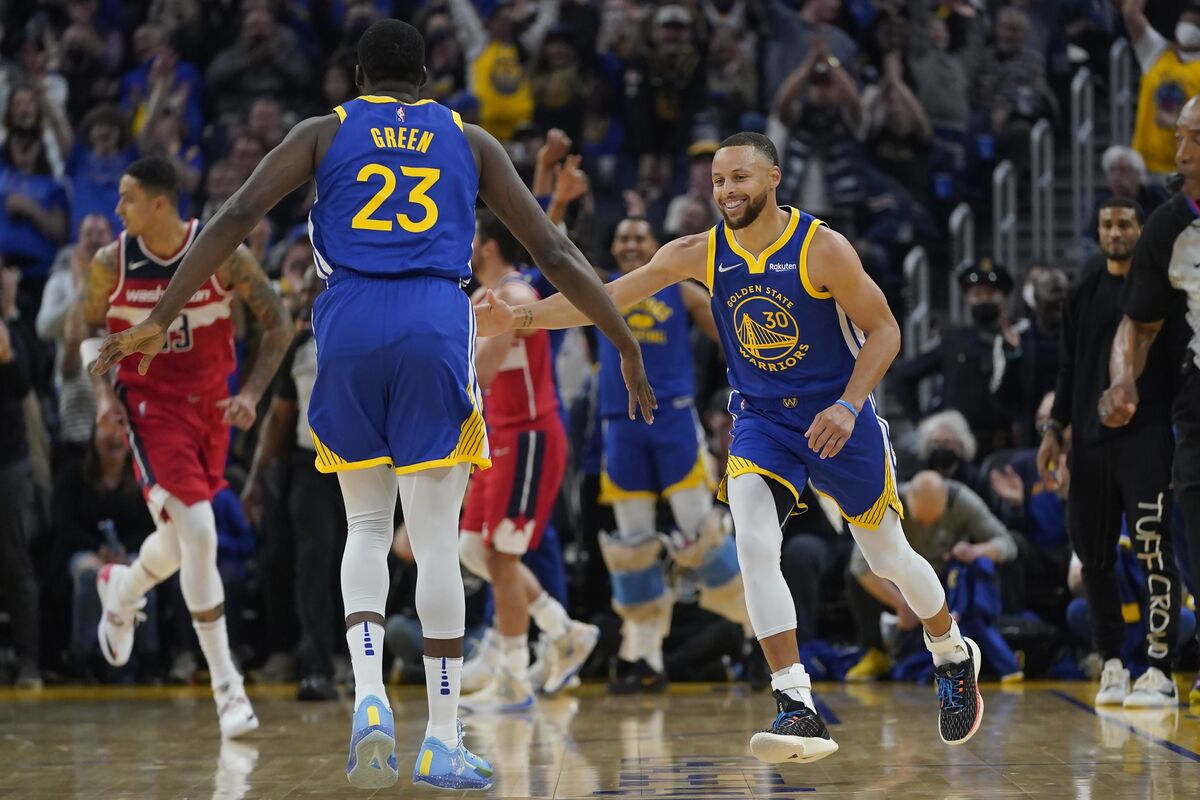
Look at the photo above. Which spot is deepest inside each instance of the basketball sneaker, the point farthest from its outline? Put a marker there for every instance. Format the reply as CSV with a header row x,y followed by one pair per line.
x,y
566,655
1114,684
234,711
372,763
960,706
451,767
872,666
797,735
117,621
506,693
631,677
1153,689
477,670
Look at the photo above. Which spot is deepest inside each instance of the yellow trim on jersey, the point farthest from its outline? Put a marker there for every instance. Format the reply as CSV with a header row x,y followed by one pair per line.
x,y
808,287
757,266
710,267
328,461
383,98
457,119
889,498
472,442
699,475
611,493
736,465
341,112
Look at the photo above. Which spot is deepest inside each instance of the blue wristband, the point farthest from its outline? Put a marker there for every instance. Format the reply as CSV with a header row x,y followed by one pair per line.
x,y
849,406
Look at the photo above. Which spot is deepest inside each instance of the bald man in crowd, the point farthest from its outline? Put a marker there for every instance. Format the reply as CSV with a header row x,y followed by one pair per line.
x,y
944,520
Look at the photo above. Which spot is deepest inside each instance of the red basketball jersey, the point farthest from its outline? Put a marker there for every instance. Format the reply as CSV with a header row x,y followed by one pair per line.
x,y
197,356
523,391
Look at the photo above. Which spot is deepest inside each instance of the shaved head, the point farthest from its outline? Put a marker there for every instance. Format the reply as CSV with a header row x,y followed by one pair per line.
x,y
927,496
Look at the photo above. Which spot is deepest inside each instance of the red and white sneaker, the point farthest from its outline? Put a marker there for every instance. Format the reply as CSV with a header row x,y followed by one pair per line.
x,y
117,621
234,711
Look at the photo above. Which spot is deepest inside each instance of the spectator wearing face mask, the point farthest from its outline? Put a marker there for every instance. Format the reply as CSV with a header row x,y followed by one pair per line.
x,y
946,445
967,358
1026,373
1170,75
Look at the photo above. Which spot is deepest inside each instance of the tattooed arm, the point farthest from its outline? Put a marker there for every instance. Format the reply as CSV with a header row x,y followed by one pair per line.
x,y
243,273
90,311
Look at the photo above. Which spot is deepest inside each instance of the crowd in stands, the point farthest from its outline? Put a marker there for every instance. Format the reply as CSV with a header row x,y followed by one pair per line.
x,y
886,115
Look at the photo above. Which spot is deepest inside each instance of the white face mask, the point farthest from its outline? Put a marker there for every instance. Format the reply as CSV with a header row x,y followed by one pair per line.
x,y
1187,34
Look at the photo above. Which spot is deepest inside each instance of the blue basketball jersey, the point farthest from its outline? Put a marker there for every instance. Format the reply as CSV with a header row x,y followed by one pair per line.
x,y
395,192
660,325
783,337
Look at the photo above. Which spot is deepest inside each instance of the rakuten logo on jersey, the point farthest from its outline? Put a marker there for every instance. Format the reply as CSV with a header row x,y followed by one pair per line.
x,y
781,266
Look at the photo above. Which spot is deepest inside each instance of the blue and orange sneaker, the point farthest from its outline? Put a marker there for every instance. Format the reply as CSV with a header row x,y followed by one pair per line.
x,y
372,763
451,768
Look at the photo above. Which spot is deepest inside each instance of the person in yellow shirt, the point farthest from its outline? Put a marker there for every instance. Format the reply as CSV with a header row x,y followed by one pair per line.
x,y
1170,75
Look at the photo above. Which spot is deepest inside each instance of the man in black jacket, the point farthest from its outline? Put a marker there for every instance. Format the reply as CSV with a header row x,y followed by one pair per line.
x,y
1116,471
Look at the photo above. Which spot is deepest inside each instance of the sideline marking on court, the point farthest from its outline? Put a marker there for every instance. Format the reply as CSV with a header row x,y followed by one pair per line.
x,y
1174,748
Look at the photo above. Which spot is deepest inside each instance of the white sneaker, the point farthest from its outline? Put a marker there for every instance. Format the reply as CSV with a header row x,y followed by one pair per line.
x,y
1114,684
1153,690
234,711
505,693
567,654
477,670
117,621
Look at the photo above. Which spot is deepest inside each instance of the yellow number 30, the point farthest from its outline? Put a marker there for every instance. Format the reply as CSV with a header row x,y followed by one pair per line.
x,y
427,177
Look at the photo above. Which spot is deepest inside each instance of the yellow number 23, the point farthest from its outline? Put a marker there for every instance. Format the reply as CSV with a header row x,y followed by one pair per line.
x,y
427,177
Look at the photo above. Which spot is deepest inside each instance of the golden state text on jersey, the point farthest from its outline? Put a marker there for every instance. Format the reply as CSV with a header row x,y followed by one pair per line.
x,y
395,192
783,336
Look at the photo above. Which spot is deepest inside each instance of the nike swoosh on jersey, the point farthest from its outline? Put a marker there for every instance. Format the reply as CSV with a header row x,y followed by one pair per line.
x,y
141,263
723,268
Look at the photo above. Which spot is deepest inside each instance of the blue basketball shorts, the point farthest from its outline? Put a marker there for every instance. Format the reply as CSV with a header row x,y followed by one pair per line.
x,y
768,439
652,461
395,375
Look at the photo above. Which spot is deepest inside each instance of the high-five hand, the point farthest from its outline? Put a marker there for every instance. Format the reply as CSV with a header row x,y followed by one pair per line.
x,y
493,316
641,395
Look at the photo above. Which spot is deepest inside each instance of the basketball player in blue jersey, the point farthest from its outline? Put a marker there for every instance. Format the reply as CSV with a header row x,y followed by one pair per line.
x,y
395,395
645,463
807,336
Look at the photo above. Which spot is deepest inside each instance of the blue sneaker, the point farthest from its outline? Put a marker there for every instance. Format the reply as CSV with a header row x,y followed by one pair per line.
x,y
446,768
372,763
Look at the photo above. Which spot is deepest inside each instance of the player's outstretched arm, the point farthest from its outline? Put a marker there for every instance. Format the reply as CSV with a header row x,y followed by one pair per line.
x,y
676,261
287,166
833,266
560,261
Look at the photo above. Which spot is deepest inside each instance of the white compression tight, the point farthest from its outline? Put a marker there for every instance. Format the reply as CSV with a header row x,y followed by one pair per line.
x,y
431,500
759,540
689,507
185,540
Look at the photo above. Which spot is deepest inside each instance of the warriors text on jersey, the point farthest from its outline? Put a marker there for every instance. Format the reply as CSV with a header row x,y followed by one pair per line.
x,y
523,390
198,354
783,337
395,192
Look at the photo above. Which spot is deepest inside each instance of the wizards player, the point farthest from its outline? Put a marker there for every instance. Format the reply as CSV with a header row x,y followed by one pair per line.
x,y
807,336
395,394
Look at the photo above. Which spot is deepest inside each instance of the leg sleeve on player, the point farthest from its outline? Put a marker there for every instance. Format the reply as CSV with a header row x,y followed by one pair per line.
x,y
712,555
431,500
370,497
196,529
472,552
639,582
158,559
759,544
891,557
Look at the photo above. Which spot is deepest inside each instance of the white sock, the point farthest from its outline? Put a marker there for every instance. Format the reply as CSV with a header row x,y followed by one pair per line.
x,y
514,654
214,642
442,684
549,615
949,648
794,682
642,640
365,642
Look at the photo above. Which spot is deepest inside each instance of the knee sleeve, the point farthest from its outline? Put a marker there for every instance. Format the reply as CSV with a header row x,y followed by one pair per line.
x,y
370,497
639,582
159,553
196,532
890,556
759,540
432,500
691,508
472,552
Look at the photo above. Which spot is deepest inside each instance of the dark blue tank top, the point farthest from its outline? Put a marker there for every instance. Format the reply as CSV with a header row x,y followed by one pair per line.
x,y
660,325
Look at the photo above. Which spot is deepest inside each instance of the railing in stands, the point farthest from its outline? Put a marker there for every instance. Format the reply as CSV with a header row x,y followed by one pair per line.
x,y
1121,97
916,321
1041,189
1004,214
962,244
1083,149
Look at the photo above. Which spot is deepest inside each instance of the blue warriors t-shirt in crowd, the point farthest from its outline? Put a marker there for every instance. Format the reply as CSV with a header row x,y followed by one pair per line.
x,y
21,243
660,325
